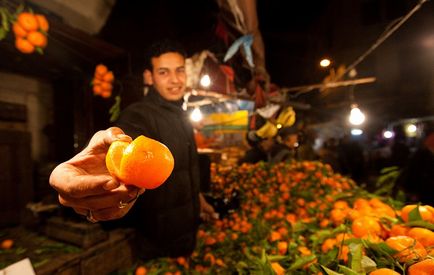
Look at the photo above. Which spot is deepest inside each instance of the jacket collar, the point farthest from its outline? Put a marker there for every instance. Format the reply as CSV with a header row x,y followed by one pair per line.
x,y
156,98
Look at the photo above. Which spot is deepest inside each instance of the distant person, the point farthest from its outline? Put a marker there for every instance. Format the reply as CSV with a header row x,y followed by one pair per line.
x,y
259,149
351,158
328,154
285,147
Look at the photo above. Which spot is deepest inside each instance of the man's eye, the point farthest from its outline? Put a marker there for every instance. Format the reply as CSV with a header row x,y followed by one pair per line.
x,y
162,73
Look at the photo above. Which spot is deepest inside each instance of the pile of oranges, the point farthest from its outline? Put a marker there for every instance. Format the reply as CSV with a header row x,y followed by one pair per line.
x,y
30,32
103,81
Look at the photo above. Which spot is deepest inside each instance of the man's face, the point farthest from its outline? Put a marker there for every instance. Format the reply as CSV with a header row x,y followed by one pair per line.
x,y
168,75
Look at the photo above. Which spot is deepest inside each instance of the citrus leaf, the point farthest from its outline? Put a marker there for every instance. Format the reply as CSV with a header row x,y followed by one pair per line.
x,y
356,256
368,264
414,215
421,223
348,271
3,33
328,271
302,261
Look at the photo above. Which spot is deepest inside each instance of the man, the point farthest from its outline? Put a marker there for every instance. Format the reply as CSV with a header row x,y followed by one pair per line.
x,y
166,218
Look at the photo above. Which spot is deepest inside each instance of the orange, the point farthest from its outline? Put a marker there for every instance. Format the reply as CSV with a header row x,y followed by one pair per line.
x,y
106,93
7,244
384,271
28,21
408,248
144,162
106,86
278,269
366,226
24,46
42,22
423,235
37,39
100,71
97,89
425,213
425,267
18,30
398,230
141,270
108,77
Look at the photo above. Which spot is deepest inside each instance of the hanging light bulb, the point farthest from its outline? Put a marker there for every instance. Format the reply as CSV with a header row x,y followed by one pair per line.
x,y
388,134
325,62
356,116
205,81
196,115
356,132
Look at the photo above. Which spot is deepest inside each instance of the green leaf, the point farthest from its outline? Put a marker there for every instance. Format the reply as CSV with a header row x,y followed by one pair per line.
x,y
421,223
414,215
356,256
329,271
302,261
3,33
39,50
5,19
368,264
348,271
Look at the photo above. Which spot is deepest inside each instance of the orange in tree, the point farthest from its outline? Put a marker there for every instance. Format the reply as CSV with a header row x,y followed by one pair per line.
x,y
28,21
425,267
18,30
37,39
144,162
24,46
42,22
278,268
407,248
100,71
384,271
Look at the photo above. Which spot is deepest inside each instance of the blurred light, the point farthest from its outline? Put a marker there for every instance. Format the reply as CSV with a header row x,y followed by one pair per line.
x,y
352,73
356,132
278,126
387,134
325,63
196,115
356,116
411,130
205,80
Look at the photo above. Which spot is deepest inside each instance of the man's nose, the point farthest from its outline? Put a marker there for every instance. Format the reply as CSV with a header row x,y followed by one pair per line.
x,y
174,77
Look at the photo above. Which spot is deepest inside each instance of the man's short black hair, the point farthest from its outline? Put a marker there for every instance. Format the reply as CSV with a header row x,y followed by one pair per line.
x,y
161,47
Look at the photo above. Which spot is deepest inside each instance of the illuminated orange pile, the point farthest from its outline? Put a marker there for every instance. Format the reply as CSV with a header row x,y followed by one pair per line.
x,y
145,163
103,81
30,32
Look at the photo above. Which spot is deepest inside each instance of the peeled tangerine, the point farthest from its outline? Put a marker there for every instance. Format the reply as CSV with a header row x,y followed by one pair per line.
x,y
145,162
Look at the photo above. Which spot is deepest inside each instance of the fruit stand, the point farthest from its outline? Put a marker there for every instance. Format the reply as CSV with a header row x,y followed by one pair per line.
x,y
302,218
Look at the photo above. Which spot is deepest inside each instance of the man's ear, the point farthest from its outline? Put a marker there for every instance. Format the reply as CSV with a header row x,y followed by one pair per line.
x,y
147,77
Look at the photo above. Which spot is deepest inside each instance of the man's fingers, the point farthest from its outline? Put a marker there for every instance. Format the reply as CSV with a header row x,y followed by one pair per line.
x,y
79,186
107,200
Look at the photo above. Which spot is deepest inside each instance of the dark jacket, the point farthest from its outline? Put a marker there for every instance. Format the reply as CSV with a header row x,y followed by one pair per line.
x,y
167,216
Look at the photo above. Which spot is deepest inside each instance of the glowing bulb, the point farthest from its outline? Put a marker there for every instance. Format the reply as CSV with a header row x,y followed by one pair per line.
x,y
356,132
411,128
356,116
278,126
196,115
388,134
205,81
325,63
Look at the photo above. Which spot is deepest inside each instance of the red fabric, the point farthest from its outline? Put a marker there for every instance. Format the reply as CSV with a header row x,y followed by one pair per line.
x,y
429,141
221,32
228,71
259,97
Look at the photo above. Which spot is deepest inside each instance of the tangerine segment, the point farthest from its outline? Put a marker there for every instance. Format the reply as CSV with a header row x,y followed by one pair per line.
x,y
114,157
145,162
